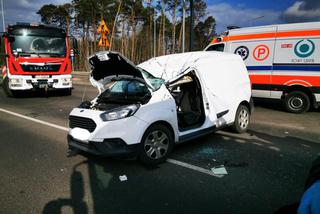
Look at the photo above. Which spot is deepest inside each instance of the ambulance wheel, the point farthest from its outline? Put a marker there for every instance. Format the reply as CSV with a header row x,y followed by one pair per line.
x,y
6,89
242,120
156,145
297,102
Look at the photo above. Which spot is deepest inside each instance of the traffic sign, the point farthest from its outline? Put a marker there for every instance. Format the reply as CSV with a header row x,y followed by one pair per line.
x,y
104,42
103,30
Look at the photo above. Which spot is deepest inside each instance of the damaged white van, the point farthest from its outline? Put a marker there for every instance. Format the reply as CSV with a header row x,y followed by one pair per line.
x,y
145,110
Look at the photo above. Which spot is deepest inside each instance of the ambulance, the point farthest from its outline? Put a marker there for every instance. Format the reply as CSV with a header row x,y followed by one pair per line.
x,y
283,61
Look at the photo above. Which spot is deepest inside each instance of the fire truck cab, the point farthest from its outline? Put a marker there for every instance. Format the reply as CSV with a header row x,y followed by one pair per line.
x,y
283,61
36,57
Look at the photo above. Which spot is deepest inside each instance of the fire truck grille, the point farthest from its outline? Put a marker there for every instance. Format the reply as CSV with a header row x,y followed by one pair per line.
x,y
82,122
40,68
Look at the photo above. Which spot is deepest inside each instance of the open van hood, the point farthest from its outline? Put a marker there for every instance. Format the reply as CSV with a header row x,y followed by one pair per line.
x,y
107,66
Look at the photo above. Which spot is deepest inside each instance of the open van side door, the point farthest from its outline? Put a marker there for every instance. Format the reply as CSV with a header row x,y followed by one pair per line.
x,y
199,108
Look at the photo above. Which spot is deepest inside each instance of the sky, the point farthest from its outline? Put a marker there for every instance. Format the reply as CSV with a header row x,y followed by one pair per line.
x,y
240,13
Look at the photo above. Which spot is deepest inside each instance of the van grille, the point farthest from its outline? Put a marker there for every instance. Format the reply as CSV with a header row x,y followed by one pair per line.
x,y
82,122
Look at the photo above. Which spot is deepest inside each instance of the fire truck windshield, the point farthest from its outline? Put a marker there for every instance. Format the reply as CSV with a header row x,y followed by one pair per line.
x,y
28,42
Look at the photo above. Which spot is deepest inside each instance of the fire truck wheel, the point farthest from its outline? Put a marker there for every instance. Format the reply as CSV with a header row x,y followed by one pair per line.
x,y
297,102
68,92
6,89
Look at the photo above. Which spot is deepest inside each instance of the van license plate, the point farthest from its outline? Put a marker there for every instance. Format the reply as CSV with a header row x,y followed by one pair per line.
x,y
42,76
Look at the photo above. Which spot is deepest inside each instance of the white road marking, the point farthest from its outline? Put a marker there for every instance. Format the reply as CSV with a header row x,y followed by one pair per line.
x,y
169,160
34,120
193,167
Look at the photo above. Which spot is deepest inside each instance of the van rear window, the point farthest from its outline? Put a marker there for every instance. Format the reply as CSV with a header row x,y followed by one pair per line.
x,y
217,47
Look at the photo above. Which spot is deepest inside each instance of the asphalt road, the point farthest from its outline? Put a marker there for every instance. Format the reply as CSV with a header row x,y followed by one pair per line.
x,y
267,166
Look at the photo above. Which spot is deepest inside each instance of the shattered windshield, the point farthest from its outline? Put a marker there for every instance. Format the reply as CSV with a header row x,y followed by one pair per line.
x,y
153,81
38,41
125,90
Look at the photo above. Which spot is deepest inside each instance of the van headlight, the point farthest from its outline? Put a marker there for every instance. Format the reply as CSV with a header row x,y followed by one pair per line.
x,y
119,113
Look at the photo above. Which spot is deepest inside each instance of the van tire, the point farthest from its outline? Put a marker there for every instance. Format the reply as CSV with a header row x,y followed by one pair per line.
x,y
156,140
242,119
297,102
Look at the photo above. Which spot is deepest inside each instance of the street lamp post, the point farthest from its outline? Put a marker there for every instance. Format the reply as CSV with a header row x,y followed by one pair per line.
x,y
183,25
191,26
2,12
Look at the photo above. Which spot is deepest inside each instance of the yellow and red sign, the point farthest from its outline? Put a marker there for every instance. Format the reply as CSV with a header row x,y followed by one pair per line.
x,y
103,30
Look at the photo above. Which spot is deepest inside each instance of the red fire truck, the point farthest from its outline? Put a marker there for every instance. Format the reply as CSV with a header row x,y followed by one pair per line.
x,y
36,57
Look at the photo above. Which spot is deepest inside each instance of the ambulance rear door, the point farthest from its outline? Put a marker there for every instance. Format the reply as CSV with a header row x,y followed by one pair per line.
x,y
256,47
297,56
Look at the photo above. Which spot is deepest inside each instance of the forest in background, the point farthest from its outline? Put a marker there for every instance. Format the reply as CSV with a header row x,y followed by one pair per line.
x,y
131,23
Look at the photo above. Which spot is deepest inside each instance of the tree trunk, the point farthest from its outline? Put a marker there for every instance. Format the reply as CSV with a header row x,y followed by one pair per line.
x,y
174,22
163,29
133,34
114,24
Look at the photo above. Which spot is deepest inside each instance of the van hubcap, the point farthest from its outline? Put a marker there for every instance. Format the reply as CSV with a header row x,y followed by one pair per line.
x,y
156,144
296,102
243,119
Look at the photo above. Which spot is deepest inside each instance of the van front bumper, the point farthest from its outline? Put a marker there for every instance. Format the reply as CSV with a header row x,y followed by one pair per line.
x,y
109,147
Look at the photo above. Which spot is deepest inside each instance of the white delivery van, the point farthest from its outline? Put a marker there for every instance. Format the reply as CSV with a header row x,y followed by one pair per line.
x,y
283,61
144,110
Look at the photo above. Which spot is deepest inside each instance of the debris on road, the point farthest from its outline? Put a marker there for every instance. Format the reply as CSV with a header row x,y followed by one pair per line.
x,y
123,178
219,170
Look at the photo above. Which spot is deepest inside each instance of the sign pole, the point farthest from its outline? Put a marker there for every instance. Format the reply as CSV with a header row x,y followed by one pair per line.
x,y
2,12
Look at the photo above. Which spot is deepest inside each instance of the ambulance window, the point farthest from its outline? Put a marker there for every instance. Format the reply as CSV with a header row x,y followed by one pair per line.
x,y
218,47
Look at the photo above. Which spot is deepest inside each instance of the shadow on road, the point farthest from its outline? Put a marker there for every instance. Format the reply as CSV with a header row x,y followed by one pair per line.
x,y
265,173
75,201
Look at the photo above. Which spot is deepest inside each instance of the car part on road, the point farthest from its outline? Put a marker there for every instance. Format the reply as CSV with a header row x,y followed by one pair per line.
x,y
219,170
297,102
156,145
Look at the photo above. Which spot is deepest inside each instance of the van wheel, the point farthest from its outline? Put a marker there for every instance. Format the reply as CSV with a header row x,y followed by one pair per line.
x,y
297,102
156,145
242,120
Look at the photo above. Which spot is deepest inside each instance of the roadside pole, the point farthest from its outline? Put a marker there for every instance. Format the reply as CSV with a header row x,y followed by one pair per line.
x,y
191,26
2,12
183,25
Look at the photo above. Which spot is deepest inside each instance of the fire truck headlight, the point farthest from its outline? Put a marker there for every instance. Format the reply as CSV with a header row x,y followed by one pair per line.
x,y
66,81
16,82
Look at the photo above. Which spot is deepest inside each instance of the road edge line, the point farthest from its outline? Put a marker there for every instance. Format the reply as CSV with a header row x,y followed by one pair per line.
x,y
34,120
